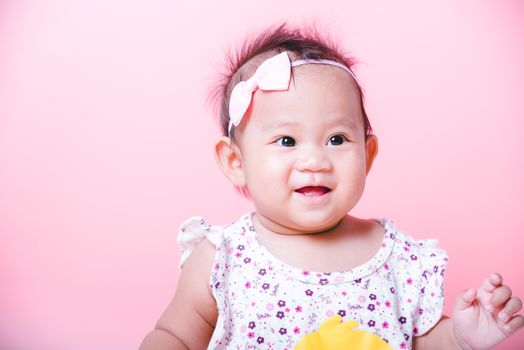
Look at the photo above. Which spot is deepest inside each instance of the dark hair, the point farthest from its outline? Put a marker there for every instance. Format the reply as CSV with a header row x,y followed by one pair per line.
x,y
304,42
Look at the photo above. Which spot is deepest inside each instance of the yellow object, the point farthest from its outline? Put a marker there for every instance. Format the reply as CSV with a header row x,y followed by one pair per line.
x,y
334,334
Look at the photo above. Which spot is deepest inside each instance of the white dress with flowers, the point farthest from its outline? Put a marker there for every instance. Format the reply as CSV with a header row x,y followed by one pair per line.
x,y
264,303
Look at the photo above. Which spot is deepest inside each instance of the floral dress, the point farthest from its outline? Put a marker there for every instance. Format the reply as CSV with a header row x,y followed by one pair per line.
x,y
264,303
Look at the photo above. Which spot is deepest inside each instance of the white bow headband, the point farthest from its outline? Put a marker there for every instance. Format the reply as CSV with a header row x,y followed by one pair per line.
x,y
273,74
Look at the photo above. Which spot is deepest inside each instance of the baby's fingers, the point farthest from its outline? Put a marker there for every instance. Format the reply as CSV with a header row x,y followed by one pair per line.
x,y
500,296
492,282
513,306
486,290
514,324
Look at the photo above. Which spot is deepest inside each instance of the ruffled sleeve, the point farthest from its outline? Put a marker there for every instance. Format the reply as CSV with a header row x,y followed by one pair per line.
x,y
192,232
431,286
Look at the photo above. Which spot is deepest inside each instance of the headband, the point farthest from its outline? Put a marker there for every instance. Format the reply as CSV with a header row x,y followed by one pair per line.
x,y
272,75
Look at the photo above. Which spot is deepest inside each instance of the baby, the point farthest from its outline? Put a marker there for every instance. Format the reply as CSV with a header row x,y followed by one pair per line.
x,y
297,141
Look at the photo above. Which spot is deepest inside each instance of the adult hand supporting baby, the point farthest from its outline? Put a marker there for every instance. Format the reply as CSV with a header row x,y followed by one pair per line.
x,y
484,317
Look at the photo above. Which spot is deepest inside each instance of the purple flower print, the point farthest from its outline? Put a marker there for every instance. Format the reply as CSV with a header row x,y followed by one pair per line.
x,y
420,311
413,257
282,331
342,313
358,280
372,296
280,314
251,325
371,323
309,292
240,247
392,290
247,260
406,336
392,236
323,281
260,340
217,284
402,319
371,307
281,303
435,268
407,243
265,286
422,290
262,272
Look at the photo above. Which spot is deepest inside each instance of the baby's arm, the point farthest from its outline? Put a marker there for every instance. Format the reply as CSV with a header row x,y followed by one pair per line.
x,y
481,319
439,337
190,318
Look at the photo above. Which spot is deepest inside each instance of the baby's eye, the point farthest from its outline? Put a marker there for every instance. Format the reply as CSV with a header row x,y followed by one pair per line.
x,y
336,140
286,141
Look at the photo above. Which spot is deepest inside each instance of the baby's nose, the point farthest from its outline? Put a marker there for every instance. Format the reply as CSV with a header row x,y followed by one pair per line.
x,y
313,160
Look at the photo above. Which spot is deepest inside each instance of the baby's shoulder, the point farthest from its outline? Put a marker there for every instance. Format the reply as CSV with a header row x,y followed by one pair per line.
x,y
406,242
410,253
196,230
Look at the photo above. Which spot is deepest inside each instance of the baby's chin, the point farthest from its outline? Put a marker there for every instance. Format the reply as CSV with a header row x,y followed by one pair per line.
x,y
316,228
309,224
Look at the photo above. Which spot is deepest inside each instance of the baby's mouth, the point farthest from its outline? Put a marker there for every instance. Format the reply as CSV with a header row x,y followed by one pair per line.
x,y
310,191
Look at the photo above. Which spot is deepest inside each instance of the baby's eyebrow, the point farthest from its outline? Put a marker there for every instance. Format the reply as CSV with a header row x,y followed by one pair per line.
x,y
345,121
280,124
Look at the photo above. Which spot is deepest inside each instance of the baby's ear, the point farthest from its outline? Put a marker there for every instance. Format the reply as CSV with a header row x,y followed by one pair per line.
x,y
371,151
229,159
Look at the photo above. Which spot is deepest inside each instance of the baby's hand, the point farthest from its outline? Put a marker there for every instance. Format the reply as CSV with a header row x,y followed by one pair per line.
x,y
483,318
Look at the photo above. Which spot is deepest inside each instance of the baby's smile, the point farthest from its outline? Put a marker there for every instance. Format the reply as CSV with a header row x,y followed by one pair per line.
x,y
314,195
311,191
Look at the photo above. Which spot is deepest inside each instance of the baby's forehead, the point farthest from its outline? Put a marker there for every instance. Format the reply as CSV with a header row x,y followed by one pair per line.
x,y
326,92
323,73
329,86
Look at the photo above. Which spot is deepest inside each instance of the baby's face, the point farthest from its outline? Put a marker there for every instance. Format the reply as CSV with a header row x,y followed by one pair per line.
x,y
304,150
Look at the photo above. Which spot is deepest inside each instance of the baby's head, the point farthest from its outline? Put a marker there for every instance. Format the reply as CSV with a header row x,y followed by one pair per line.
x,y
296,136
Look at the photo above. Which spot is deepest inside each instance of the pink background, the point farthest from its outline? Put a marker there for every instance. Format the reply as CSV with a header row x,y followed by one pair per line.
x,y
106,146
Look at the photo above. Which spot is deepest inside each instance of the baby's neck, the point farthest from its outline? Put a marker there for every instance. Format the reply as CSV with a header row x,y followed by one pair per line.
x,y
352,240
